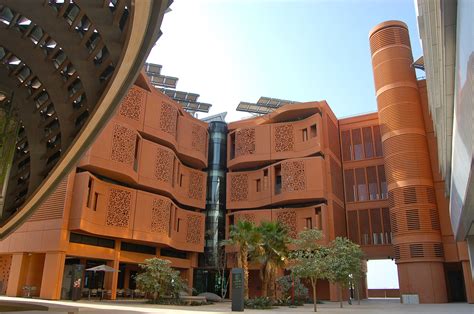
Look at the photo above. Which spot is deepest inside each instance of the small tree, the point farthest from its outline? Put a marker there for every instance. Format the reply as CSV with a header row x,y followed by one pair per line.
x,y
272,253
286,283
222,270
310,259
245,237
344,261
159,279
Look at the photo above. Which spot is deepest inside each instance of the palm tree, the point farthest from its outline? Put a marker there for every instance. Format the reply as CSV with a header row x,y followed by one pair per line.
x,y
243,235
272,253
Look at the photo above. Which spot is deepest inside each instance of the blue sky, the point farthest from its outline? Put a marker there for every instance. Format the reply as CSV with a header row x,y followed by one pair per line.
x,y
238,50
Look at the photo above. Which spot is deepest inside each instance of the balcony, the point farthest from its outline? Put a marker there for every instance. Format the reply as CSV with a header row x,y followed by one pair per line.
x,y
257,145
102,208
120,153
287,182
167,123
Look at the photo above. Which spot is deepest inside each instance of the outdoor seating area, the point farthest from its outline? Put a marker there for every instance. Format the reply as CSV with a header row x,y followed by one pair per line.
x,y
102,294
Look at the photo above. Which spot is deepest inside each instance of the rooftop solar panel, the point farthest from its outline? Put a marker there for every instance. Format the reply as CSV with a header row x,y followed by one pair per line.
x,y
263,106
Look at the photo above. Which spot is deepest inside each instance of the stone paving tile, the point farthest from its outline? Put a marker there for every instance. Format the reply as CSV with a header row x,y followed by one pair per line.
x,y
370,306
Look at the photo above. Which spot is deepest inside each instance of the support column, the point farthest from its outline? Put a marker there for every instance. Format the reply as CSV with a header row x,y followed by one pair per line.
x,y
18,270
412,199
190,280
111,279
468,281
53,272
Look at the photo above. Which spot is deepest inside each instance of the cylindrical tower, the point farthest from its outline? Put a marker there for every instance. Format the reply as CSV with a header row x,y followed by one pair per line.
x,y
413,211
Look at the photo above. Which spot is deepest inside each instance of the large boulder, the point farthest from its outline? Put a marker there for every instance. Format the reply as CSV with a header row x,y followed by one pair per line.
x,y
211,296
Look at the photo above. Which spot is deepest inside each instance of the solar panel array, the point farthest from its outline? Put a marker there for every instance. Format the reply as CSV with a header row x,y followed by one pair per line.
x,y
167,85
263,106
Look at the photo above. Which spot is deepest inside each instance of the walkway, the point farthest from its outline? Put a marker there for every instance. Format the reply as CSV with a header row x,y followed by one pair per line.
x,y
370,306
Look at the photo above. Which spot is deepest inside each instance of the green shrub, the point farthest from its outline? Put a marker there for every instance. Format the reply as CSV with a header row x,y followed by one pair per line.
x,y
284,284
174,301
260,303
288,302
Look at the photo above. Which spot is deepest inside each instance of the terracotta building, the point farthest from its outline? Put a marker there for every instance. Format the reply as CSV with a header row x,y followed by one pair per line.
x,y
157,182
136,193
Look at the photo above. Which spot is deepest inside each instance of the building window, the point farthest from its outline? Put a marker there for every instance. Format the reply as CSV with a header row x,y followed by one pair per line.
x,y
357,143
232,145
90,240
89,192
309,223
376,226
265,179
305,134
177,224
135,161
173,253
372,180
258,185
350,185
377,141
364,227
137,248
361,184
346,145
278,179
96,200
368,142
382,182
314,131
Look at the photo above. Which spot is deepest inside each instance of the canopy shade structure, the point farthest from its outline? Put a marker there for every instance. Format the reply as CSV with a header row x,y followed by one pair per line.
x,y
64,68
103,268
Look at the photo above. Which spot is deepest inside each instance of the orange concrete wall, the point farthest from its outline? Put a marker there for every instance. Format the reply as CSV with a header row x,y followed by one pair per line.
x,y
116,211
413,207
46,229
286,166
122,154
384,293
163,120
5,264
299,183
263,144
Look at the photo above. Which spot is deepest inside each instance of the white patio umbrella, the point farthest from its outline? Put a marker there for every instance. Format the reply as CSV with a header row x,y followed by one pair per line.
x,y
104,268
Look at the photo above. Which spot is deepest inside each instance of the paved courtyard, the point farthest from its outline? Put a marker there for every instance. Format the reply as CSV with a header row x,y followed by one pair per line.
x,y
368,306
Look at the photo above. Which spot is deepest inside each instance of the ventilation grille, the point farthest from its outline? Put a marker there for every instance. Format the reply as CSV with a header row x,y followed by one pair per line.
x,y
389,36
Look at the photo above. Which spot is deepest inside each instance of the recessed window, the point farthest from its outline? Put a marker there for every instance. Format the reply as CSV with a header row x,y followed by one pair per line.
x,y
305,134
258,185
372,178
278,179
232,146
314,131
89,192
177,224
135,161
357,142
96,200
309,223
